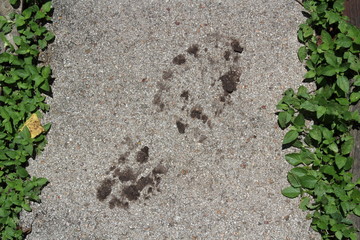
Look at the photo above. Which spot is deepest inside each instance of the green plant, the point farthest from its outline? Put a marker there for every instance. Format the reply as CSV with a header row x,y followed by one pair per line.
x,y
320,121
23,86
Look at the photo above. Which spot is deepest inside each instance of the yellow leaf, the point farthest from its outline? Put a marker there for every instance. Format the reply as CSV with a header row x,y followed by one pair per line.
x,y
34,125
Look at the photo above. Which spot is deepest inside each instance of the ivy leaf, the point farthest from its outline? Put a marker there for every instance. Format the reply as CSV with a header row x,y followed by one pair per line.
x,y
347,146
290,136
315,134
22,172
302,53
291,192
333,147
309,106
320,111
46,7
327,39
339,6
343,83
304,203
343,41
331,58
332,17
308,181
340,161
299,121
284,119
293,158
310,74
307,31
326,71
357,210
293,180
354,97
26,207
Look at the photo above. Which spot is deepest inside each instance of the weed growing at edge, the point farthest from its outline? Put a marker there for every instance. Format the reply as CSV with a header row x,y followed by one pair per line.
x,y
24,83
319,122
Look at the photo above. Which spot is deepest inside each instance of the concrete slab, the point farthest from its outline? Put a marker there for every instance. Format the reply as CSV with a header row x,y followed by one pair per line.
x,y
164,122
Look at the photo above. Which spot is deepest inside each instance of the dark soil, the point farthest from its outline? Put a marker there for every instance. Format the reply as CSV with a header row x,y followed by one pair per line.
x,y
143,182
123,158
126,175
179,59
131,192
132,187
116,202
227,55
185,95
194,49
143,155
197,112
229,81
105,189
181,127
236,46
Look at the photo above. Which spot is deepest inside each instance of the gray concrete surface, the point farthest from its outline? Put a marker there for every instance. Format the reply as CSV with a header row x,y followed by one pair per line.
x,y
154,139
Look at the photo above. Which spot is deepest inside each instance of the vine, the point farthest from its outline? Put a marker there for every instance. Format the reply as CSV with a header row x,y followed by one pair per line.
x,y
24,83
319,121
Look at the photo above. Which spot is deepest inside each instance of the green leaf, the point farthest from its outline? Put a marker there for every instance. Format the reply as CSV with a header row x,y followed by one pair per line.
x,y
284,119
302,53
39,15
339,6
26,207
14,2
299,171
291,192
320,111
41,182
46,7
347,146
326,38
315,134
343,41
303,92
343,83
49,36
333,147
293,180
331,58
293,158
20,21
290,136
310,74
309,106
45,86
304,203
357,210
332,17
38,80
42,44
340,161
22,172
299,121
308,181
326,71
46,72
307,31
330,209
354,97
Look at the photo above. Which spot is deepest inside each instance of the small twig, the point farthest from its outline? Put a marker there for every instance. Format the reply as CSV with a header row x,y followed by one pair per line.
x,y
298,1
